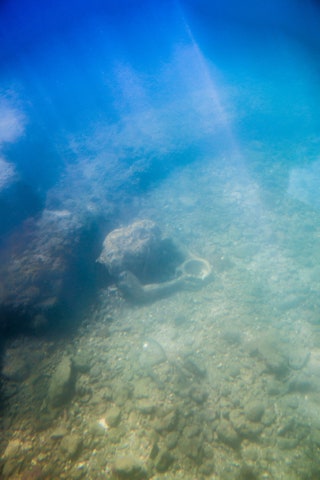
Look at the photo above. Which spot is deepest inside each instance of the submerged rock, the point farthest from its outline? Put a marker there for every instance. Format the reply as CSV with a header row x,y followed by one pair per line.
x,y
194,366
71,445
273,353
113,416
140,249
82,362
245,427
146,406
228,435
167,423
16,368
151,354
164,461
61,384
38,266
254,411
129,468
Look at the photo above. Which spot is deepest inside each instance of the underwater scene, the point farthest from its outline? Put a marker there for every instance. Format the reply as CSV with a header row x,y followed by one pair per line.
x,y
160,240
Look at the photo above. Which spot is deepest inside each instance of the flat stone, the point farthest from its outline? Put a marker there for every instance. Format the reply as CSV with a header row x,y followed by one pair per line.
x,y
254,411
15,368
58,433
13,449
164,461
61,384
129,468
82,362
146,406
151,354
244,427
167,423
227,434
113,416
172,439
71,445
191,447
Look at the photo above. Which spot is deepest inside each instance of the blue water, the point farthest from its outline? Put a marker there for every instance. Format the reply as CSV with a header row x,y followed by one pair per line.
x,y
164,78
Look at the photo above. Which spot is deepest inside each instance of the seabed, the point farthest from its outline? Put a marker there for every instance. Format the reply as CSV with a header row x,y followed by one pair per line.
x,y
218,383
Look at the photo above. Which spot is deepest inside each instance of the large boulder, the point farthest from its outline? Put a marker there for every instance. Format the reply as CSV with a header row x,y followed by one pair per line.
x,y
140,249
42,266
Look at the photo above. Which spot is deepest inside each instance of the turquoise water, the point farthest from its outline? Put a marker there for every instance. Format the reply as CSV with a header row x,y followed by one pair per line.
x,y
159,240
